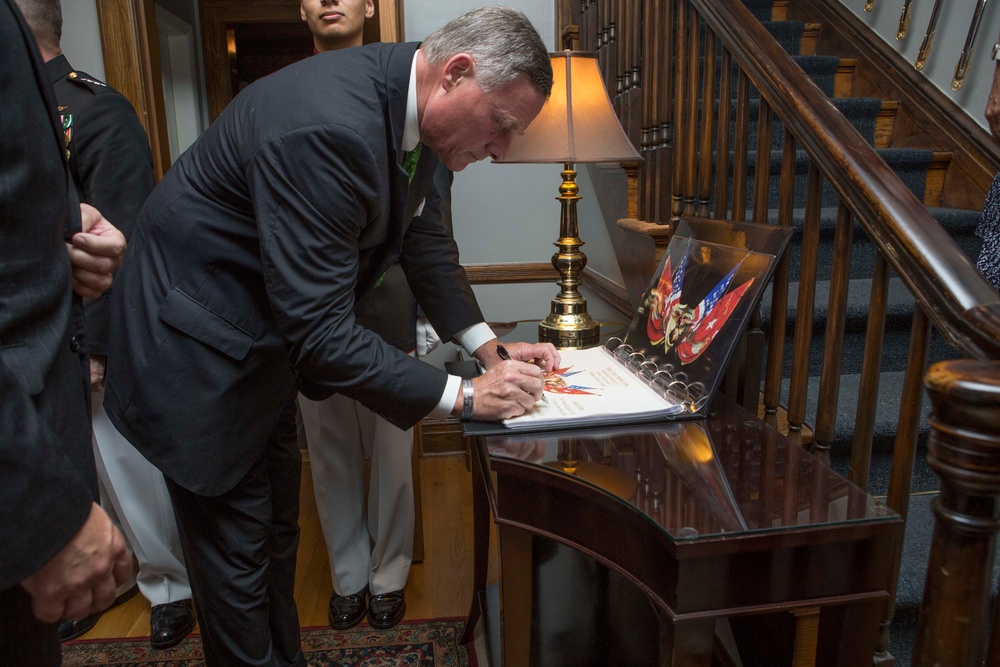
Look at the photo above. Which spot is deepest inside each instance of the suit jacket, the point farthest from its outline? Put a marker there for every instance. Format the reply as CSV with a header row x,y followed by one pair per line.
x,y
390,309
240,282
109,159
47,478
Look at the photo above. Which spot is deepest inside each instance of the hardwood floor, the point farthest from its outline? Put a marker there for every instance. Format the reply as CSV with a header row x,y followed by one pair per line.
x,y
439,587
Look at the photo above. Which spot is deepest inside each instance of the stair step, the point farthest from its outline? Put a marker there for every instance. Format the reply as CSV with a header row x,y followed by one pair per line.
x,y
911,165
810,38
886,412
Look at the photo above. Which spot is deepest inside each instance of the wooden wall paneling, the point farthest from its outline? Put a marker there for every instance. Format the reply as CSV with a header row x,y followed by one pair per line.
x,y
132,66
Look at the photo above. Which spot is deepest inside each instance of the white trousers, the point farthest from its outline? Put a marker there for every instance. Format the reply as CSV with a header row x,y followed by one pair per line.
x,y
134,495
373,548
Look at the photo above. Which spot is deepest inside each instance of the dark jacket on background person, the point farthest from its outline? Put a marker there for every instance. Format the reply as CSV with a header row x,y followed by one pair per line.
x,y
109,159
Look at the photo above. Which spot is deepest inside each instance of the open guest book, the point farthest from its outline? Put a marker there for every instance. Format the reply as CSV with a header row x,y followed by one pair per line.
x,y
678,346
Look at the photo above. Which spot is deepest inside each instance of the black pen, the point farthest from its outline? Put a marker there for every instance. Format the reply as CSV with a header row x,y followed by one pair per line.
x,y
505,355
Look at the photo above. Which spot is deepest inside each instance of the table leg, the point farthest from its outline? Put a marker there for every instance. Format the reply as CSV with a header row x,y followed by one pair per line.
x,y
686,643
480,543
515,595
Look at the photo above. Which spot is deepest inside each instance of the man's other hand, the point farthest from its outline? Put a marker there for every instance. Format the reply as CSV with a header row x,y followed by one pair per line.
x,y
81,578
95,253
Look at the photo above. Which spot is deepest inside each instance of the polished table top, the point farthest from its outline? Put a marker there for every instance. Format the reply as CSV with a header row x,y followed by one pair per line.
x,y
728,474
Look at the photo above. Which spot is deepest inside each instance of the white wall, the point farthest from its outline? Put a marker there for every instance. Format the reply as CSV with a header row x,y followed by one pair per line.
x,y
950,34
81,40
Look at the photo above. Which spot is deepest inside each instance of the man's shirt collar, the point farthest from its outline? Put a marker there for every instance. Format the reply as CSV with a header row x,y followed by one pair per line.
x,y
411,125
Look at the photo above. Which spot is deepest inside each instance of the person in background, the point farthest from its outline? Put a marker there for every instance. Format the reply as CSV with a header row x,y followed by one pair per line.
x,y
989,222
370,553
240,282
112,168
60,555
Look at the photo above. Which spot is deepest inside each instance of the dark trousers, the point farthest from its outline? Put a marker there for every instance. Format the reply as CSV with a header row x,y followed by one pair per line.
x,y
24,640
240,549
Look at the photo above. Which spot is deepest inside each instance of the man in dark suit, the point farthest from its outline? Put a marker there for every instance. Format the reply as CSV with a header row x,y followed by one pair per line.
x,y
60,556
241,279
112,168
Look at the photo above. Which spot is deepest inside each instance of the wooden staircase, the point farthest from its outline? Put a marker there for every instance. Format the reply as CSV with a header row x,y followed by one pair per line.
x,y
874,268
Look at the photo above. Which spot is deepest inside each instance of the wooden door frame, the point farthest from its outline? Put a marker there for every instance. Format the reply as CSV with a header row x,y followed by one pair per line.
x,y
132,54
132,66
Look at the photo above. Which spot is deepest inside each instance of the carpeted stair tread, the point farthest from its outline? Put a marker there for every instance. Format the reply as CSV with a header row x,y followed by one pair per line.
x,y
886,412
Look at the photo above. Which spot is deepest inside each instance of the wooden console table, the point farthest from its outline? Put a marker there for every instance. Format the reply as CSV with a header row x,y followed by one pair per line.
x,y
714,518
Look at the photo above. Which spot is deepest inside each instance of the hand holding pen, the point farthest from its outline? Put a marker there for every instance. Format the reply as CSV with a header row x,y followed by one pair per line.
x,y
505,355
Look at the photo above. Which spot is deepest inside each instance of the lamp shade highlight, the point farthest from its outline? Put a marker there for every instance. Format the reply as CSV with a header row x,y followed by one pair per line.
x,y
577,123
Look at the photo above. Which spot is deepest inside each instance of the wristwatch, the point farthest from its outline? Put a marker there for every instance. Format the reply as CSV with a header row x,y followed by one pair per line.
x,y
995,53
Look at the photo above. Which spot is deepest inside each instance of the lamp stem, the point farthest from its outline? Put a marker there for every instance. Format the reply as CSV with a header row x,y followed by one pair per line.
x,y
569,324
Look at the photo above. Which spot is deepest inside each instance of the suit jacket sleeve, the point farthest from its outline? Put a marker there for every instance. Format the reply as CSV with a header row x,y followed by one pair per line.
x,y
115,169
44,492
431,262
319,202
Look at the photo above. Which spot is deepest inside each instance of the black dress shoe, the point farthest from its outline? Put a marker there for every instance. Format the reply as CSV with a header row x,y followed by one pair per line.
x,y
72,629
386,610
346,611
170,623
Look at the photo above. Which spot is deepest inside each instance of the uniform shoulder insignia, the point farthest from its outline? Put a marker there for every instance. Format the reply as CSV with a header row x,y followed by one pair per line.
x,y
77,76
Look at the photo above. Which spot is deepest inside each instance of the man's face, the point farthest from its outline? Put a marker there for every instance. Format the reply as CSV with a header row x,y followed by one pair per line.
x,y
462,124
336,23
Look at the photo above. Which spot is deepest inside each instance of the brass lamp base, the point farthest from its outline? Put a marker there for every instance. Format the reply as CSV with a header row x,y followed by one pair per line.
x,y
571,326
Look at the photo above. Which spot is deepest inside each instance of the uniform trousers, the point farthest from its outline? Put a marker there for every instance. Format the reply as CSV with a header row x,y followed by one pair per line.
x,y
373,548
240,548
134,495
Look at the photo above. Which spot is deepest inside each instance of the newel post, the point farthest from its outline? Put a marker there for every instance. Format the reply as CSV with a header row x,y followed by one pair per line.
x,y
964,450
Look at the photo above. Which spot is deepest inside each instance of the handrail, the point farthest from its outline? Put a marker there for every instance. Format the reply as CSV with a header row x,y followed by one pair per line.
x,y
962,305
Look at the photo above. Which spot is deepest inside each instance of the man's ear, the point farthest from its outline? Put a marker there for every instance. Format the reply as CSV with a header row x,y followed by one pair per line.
x,y
302,12
459,66
369,8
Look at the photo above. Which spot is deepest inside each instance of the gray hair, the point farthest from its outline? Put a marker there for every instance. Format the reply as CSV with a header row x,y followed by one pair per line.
x,y
44,17
503,43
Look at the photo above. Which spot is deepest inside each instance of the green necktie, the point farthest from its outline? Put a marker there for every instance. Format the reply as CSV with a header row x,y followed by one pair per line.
x,y
410,159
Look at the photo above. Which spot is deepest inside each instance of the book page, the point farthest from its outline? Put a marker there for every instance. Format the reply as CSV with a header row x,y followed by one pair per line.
x,y
590,386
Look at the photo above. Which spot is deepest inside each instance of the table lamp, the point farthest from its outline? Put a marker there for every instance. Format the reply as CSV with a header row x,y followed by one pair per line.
x,y
576,124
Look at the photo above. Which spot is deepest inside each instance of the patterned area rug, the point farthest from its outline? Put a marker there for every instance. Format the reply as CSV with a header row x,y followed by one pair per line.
x,y
411,644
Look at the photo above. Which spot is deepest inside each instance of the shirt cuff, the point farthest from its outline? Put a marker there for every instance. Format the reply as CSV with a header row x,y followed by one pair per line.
x,y
472,338
447,402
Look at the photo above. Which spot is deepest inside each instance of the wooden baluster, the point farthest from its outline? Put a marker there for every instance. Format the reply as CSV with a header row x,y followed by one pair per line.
x,y
799,383
691,115
762,172
903,457
646,142
665,57
635,75
613,51
779,289
707,118
964,450
680,137
740,147
605,44
724,129
864,416
829,380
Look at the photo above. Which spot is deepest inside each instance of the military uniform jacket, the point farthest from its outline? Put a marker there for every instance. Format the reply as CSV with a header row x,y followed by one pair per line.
x,y
47,477
109,159
240,281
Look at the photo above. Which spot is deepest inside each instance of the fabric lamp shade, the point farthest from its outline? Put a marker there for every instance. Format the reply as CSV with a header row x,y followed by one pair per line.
x,y
577,123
